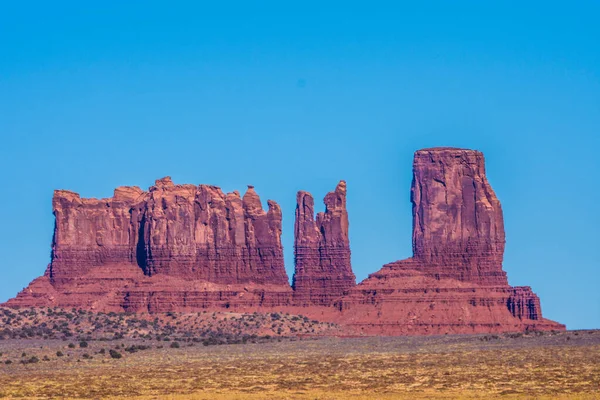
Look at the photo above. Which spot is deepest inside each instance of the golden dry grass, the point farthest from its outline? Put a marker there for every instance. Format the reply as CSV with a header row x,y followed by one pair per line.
x,y
372,368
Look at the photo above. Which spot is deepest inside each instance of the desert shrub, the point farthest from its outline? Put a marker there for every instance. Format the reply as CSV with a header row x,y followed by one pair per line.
x,y
71,345
114,354
83,344
86,356
514,335
8,362
59,354
174,345
131,349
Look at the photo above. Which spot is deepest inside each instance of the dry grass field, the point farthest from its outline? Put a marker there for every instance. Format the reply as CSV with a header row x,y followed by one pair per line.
x,y
536,366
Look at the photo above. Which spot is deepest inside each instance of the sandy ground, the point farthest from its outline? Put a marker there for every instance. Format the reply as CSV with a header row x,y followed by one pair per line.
x,y
541,366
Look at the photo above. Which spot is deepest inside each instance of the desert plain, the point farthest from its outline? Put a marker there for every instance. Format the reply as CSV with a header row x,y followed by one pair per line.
x,y
171,363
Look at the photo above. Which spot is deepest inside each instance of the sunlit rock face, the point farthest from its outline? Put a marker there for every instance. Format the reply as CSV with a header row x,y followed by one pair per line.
x,y
458,228
190,248
322,249
454,283
172,247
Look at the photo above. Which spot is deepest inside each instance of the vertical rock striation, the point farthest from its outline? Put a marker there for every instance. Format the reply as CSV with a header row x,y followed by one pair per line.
x,y
454,283
323,271
458,228
200,233
188,248
205,248
89,233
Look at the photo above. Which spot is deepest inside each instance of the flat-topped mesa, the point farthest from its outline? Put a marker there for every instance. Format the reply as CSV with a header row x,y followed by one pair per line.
x,y
91,232
323,271
172,248
184,231
200,233
458,228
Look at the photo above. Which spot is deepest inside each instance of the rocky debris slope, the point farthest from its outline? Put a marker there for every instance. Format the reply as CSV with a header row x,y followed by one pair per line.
x,y
322,250
454,283
82,325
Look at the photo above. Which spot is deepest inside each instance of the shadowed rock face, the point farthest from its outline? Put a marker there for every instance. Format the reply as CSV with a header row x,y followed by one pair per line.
x,y
322,249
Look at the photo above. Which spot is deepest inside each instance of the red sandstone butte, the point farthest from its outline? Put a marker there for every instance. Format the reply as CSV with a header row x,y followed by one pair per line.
x,y
322,250
454,283
175,247
188,248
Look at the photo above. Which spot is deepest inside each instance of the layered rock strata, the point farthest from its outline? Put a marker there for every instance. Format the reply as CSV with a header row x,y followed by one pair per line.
x,y
189,248
454,283
89,233
323,271
200,233
458,227
173,247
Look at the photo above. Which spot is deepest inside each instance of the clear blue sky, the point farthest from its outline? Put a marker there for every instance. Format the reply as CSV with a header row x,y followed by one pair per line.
x,y
301,95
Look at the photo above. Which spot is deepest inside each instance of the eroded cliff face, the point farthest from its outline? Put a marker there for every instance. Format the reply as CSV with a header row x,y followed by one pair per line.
x,y
322,249
200,233
173,247
402,300
92,232
458,228
188,248
454,283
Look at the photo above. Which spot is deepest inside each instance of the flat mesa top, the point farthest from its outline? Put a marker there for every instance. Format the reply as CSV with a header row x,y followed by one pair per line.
x,y
444,149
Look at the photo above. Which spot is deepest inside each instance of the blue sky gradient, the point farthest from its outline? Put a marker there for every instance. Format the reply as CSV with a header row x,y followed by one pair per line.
x,y
298,96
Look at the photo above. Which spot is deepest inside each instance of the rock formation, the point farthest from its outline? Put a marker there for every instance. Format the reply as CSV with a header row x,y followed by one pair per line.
x,y
322,250
189,248
173,247
199,233
454,283
89,233
458,228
